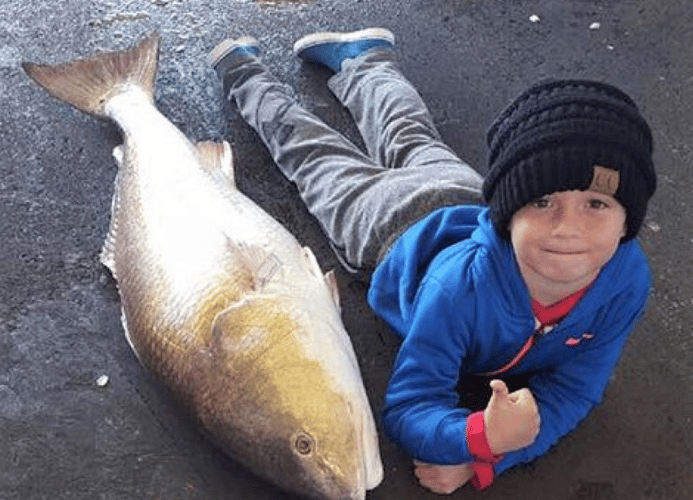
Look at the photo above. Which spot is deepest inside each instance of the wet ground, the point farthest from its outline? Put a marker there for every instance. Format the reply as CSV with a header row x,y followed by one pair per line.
x,y
63,436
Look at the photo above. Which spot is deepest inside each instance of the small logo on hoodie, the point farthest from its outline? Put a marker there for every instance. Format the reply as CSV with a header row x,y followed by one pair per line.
x,y
572,341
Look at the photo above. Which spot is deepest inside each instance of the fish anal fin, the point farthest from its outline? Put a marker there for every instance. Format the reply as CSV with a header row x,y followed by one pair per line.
x,y
331,281
88,83
216,158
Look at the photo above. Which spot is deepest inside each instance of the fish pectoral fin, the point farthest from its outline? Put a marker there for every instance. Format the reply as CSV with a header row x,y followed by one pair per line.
x,y
237,316
332,285
244,326
216,158
262,266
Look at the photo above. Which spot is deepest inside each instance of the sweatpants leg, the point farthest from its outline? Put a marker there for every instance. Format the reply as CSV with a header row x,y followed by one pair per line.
x,y
333,176
394,122
399,132
360,204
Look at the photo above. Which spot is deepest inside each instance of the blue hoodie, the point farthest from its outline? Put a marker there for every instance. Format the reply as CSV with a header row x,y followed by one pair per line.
x,y
450,287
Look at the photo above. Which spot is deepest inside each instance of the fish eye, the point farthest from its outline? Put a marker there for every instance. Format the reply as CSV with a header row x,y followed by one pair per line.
x,y
304,443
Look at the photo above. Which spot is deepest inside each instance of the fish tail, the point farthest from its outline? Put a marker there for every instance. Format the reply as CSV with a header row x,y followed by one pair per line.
x,y
89,83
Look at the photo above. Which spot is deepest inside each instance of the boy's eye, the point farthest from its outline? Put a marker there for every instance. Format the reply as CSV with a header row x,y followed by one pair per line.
x,y
597,204
541,202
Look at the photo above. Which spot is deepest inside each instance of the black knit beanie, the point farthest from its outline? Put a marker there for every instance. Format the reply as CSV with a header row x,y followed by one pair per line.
x,y
569,135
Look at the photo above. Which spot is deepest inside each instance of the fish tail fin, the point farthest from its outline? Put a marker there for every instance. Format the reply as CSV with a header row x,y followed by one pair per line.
x,y
88,83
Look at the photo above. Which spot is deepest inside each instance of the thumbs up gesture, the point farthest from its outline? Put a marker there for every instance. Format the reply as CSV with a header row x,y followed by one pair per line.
x,y
511,419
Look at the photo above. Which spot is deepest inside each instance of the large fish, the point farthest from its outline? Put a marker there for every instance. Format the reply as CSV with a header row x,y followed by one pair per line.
x,y
218,299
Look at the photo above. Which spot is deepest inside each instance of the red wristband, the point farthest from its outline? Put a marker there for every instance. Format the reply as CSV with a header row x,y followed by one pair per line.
x,y
483,475
476,439
479,448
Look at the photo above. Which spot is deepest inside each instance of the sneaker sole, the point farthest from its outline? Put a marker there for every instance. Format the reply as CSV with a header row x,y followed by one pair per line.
x,y
229,45
333,37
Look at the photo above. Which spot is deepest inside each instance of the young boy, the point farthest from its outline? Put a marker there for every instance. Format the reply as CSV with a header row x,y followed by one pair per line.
x,y
544,280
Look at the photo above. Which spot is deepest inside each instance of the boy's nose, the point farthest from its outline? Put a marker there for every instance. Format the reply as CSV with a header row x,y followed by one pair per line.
x,y
567,222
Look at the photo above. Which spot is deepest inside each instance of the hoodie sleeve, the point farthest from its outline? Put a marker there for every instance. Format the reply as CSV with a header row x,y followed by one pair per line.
x,y
566,393
421,410
396,281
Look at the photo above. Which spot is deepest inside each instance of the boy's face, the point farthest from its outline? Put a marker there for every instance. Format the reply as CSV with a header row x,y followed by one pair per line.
x,y
561,241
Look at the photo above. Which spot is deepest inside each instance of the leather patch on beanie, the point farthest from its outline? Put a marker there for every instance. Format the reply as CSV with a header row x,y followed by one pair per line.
x,y
604,180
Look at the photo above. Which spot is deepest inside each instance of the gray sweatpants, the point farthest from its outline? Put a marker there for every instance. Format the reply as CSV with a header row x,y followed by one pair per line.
x,y
362,201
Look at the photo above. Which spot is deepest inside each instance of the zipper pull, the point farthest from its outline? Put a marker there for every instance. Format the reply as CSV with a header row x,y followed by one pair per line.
x,y
540,331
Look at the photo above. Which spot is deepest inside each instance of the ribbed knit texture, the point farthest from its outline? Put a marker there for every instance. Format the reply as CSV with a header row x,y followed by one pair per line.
x,y
550,138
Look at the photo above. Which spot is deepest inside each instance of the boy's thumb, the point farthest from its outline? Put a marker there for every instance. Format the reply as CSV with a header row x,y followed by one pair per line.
x,y
500,390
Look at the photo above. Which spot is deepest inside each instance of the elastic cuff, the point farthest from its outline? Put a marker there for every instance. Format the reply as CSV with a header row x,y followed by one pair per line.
x,y
478,447
476,439
232,61
483,475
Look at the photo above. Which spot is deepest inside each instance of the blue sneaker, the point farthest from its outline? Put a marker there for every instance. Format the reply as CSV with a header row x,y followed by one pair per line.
x,y
244,46
332,49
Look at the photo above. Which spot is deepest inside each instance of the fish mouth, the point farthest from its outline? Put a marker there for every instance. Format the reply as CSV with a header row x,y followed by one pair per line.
x,y
331,484
366,474
370,473
362,470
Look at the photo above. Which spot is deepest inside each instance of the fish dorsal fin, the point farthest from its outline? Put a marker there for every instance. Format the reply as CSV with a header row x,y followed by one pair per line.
x,y
216,158
88,83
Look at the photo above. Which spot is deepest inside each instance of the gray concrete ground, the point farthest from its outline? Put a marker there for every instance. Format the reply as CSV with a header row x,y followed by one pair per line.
x,y
64,437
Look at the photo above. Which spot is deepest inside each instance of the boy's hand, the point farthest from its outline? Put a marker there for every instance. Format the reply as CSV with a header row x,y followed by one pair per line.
x,y
442,479
511,419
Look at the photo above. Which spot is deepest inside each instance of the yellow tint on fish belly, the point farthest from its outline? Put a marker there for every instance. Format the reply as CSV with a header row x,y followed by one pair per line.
x,y
165,338
271,391
239,367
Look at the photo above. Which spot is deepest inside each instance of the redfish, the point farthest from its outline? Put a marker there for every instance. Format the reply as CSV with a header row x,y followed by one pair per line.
x,y
219,300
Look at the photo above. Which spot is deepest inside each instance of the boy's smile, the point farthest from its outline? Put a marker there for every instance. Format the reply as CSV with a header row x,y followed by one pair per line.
x,y
562,240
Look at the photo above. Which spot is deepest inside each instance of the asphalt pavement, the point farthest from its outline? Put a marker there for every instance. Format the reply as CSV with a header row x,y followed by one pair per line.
x,y
68,433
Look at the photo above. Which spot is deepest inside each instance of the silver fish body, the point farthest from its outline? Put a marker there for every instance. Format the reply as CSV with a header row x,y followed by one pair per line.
x,y
219,300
